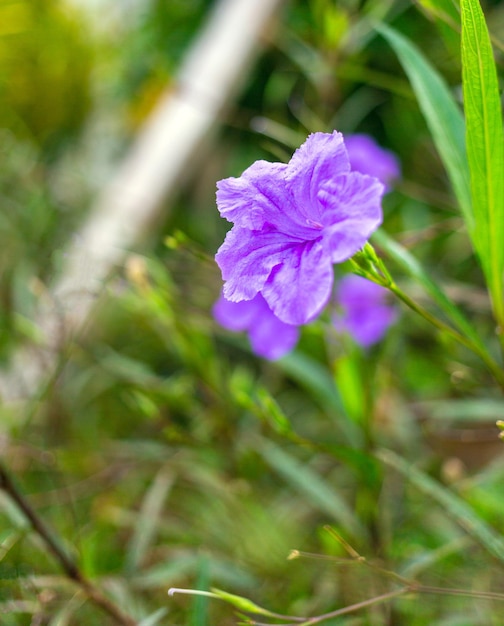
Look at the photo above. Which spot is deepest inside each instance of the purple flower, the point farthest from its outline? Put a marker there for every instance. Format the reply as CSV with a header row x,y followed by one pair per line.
x,y
269,337
366,315
291,223
368,157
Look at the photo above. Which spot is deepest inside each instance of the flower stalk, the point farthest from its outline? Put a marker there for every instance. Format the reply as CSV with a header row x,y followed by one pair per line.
x,y
367,264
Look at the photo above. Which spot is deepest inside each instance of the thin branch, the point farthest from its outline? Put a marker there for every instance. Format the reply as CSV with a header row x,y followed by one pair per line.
x,y
346,609
70,568
359,605
468,593
414,588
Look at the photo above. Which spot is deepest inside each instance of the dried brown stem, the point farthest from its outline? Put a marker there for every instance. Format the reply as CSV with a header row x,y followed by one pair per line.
x,y
468,593
413,588
70,568
346,609
356,607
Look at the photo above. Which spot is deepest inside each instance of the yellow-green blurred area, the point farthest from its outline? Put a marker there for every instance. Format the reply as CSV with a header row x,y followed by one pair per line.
x,y
46,58
160,451
50,52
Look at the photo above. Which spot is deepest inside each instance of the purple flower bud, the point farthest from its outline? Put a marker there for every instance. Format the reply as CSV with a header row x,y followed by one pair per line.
x,y
292,222
367,157
269,337
365,314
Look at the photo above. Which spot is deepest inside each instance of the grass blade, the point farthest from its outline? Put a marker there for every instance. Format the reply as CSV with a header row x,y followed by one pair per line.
x,y
148,519
442,114
454,506
199,609
411,266
312,485
311,375
154,618
485,148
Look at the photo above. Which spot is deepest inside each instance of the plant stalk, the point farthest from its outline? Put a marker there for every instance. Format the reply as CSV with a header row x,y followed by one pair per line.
x,y
70,568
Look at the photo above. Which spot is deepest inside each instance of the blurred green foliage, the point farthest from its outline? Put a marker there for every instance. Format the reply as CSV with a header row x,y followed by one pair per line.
x,y
164,453
45,65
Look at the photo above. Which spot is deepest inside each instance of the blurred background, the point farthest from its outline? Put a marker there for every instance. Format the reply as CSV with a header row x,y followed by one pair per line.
x,y
160,450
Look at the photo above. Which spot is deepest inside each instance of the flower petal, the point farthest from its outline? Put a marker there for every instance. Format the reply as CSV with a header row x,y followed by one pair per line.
x,y
322,157
292,223
247,257
368,326
356,291
353,213
259,198
367,157
235,316
366,315
271,338
299,288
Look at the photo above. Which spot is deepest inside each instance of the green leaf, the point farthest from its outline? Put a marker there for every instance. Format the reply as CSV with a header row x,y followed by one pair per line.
x,y
187,566
148,519
154,618
464,409
442,114
348,379
485,148
411,266
454,506
442,9
305,480
272,412
309,373
315,378
199,610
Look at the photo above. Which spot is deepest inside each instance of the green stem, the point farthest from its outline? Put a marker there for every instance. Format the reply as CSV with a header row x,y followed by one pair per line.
x,y
369,265
491,364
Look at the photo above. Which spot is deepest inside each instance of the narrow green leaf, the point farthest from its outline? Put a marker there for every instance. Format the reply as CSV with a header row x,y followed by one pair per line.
x,y
311,375
464,409
199,609
314,378
347,377
154,618
319,492
148,519
186,566
485,148
444,10
63,616
429,557
442,114
272,412
411,266
454,506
